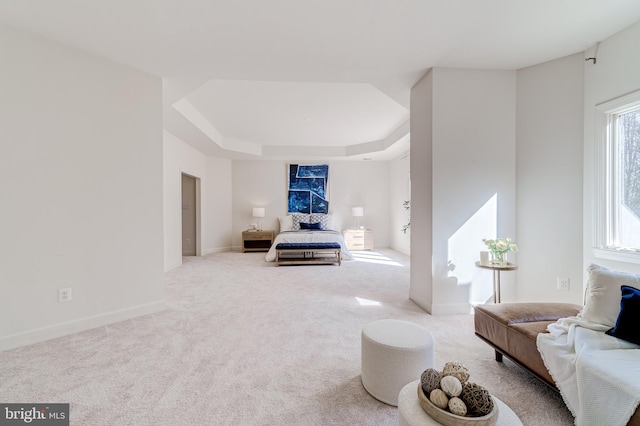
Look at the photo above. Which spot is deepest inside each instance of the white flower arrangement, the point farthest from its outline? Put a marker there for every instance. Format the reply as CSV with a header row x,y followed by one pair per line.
x,y
499,247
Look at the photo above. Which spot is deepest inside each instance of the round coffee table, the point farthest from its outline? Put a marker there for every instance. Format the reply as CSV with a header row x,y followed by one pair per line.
x,y
410,413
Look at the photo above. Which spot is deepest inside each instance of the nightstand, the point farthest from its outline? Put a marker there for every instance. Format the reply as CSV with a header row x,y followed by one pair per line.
x,y
358,239
256,240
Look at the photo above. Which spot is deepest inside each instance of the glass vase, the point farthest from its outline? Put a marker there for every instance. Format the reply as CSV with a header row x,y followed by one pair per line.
x,y
499,258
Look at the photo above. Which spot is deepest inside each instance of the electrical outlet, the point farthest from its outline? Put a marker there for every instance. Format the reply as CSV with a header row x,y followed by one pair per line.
x,y
64,294
563,284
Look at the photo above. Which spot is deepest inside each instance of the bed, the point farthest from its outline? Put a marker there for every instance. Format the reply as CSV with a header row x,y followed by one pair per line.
x,y
308,228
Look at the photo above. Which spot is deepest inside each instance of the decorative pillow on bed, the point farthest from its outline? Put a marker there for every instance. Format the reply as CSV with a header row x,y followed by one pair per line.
x,y
286,223
626,327
325,220
602,301
304,225
297,218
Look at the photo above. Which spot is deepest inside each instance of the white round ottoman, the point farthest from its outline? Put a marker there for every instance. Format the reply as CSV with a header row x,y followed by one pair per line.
x,y
394,353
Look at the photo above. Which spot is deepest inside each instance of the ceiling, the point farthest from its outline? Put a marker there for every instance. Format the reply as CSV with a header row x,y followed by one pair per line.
x,y
312,79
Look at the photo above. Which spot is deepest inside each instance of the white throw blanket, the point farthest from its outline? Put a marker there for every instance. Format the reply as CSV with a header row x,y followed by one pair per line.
x,y
598,375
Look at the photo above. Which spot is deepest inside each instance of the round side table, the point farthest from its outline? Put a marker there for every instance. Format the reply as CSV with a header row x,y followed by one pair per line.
x,y
496,275
410,413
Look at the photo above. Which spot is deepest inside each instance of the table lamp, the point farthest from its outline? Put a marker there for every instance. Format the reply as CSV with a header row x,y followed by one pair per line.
x,y
357,212
258,212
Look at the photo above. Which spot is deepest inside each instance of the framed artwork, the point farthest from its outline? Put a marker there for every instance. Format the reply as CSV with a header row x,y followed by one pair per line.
x,y
307,188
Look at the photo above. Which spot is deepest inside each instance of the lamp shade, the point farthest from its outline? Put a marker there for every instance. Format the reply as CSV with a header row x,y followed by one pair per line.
x,y
357,211
258,212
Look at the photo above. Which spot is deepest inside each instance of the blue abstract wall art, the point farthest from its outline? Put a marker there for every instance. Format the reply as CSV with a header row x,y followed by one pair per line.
x,y
308,188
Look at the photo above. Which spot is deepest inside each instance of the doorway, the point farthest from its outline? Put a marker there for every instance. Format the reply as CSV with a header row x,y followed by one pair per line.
x,y
190,216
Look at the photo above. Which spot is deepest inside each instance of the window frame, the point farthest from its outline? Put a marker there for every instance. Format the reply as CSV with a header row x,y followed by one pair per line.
x,y
606,177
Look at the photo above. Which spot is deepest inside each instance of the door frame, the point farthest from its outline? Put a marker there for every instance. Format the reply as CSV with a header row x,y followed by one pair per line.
x,y
198,209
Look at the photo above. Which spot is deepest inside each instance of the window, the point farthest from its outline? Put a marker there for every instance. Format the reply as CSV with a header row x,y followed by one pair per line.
x,y
618,192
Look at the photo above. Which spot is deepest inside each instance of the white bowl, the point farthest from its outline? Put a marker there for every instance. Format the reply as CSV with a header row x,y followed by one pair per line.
x,y
450,419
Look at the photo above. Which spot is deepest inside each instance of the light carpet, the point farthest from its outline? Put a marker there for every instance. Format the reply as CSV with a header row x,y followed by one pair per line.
x,y
247,343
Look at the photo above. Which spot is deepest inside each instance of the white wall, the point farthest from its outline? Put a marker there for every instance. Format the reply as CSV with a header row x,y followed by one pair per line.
x,y
421,164
472,165
263,183
400,184
218,197
81,190
549,179
214,175
616,73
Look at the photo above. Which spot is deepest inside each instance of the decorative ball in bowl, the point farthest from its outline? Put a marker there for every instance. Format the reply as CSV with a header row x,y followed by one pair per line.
x,y
449,419
448,397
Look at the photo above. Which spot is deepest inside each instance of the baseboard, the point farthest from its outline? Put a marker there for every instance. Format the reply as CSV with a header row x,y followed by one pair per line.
x,y
178,261
439,309
167,268
451,309
423,303
217,250
65,328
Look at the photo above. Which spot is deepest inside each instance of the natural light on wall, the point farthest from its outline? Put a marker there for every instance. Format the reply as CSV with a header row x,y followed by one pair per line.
x,y
464,248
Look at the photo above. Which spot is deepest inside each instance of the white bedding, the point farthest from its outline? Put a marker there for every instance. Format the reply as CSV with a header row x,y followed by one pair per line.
x,y
309,236
598,375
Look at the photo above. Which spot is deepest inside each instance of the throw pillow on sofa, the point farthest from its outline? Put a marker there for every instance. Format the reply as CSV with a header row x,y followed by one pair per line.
x,y
626,327
602,301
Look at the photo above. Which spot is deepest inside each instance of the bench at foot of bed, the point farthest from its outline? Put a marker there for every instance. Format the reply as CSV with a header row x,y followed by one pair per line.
x,y
308,254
